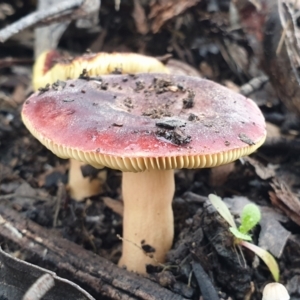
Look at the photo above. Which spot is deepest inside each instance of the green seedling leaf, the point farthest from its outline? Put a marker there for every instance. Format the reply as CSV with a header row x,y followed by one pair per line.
x,y
267,258
250,217
222,209
239,235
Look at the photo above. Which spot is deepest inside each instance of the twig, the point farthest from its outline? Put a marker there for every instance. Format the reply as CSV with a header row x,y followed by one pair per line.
x,y
117,5
52,14
10,61
15,195
253,85
283,35
61,193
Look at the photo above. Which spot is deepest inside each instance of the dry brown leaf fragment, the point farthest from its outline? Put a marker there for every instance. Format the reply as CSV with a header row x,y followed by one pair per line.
x,y
285,200
6,10
140,18
264,172
164,10
273,131
115,205
19,94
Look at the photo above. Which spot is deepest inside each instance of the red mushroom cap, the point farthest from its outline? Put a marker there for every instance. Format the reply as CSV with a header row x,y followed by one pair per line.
x,y
146,121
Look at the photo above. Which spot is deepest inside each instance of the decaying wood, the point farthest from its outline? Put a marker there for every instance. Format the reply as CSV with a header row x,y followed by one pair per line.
x,y
93,273
273,34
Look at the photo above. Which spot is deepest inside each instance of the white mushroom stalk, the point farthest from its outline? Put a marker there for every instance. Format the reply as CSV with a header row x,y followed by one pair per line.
x,y
148,218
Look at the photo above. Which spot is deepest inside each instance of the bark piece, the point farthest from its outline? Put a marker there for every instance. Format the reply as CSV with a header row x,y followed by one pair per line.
x,y
285,199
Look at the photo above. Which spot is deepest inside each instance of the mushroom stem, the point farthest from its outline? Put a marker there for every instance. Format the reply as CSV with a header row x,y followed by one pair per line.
x,y
148,217
82,187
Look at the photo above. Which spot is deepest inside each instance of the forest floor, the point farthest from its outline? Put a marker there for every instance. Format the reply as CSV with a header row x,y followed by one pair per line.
x,y
34,197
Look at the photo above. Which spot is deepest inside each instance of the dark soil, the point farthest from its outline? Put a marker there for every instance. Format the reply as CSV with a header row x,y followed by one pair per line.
x,y
33,180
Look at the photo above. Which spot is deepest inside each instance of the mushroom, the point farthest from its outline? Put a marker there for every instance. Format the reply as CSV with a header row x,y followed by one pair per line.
x,y
146,125
51,66
275,291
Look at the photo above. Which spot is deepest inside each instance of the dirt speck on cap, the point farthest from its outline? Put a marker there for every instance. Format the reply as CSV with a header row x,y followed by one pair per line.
x,y
84,75
188,102
170,123
104,86
161,85
117,124
244,138
157,113
128,102
181,87
133,76
176,136
44,89
59,85
193,118
117,71
140,85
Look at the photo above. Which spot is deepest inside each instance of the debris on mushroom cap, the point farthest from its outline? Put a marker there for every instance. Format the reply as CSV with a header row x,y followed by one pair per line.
x,y
51,66
86,126
275,291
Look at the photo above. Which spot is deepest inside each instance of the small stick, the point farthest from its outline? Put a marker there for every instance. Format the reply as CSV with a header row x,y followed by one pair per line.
x,y
15,195
10,61
53,13
283,35
61,193
41,286
253,85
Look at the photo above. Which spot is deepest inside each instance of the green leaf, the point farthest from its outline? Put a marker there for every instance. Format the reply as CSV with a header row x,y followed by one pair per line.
x,y
250,217
239,235
267,258
222,209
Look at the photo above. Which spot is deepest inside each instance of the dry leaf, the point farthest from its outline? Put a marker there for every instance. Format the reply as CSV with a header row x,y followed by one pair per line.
x,y
164,10
285,200
264,172
115,205
139,18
